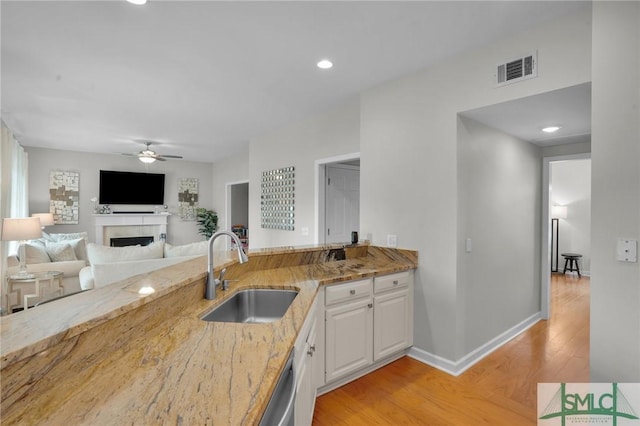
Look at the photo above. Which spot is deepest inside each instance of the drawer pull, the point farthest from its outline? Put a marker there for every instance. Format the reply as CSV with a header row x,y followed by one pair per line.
x,y
352,291
370,305
395,282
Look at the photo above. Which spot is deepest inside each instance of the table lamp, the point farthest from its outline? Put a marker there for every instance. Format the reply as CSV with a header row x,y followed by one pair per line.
x,y
21,229
46,219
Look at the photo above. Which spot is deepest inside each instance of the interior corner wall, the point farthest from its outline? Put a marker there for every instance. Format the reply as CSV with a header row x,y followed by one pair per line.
x,y
42,161
332,133
615,165
499,202
409,176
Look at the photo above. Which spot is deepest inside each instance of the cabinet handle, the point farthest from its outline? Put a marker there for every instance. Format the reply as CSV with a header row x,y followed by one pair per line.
x,y
395,282
312,348
310,352
352,292
370,305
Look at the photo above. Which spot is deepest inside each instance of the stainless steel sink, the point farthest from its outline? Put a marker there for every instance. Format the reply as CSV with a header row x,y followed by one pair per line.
x,y
253,306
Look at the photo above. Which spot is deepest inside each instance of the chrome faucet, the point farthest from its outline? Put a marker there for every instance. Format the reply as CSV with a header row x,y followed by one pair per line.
x,y
212,281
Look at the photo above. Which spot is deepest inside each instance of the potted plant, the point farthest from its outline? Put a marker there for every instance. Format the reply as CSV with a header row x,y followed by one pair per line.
x,y
207,222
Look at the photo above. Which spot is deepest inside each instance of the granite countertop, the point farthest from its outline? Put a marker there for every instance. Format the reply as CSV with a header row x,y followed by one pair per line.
x,y
172,367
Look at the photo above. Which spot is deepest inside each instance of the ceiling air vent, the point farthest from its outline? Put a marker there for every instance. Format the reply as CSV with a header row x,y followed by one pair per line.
x,y
518,69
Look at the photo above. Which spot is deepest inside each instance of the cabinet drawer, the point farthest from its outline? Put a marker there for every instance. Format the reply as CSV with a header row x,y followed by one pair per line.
x,y
392,281
342,292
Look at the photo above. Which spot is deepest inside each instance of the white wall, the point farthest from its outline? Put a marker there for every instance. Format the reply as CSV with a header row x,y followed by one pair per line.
x,y
567,149
571,187
499,209
43,161
615,166
334,133
409,161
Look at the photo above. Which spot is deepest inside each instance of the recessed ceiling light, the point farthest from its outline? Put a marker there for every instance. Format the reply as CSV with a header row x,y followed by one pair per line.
x,y
325,64
137,2
551,129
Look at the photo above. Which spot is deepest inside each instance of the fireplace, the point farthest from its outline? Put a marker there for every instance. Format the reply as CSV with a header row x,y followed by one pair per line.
x,y
125,225
130,241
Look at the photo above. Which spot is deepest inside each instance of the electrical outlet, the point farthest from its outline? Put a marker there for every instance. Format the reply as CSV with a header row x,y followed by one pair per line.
x,y
305,231
392,240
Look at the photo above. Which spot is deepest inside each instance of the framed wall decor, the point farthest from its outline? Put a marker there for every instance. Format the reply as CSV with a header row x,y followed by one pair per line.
x,y
64,196
277,199
187,198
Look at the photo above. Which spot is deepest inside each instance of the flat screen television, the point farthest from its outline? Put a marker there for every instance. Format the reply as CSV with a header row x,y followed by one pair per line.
x,y
131,188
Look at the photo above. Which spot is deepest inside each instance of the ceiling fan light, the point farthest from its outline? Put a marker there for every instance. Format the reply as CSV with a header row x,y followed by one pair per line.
x,y
137,2
147,160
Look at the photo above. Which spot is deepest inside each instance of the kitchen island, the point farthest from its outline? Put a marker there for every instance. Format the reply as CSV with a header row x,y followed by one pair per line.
x,y
137,351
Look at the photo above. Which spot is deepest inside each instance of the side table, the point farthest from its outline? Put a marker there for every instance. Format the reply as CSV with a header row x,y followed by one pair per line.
x,y
39,285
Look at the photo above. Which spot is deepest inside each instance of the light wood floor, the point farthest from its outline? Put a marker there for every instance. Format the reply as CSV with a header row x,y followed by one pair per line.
x,y
499,390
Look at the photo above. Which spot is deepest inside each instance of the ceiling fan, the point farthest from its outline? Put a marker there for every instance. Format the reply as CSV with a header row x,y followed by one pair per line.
x,y
147,155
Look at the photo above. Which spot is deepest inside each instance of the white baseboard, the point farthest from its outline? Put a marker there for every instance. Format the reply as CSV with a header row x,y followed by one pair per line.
x,y
455,368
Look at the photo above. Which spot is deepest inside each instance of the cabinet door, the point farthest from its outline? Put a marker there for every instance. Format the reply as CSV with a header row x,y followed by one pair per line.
x,y
348,338
303,408
306,390
392,323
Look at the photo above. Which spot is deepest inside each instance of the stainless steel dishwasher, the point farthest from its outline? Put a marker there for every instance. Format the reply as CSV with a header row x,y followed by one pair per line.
x,y
280,410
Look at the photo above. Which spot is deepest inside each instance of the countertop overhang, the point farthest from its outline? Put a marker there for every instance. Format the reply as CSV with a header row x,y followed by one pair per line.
x,y
170,366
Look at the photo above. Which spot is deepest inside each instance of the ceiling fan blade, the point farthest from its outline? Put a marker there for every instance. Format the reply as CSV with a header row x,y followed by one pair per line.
x,y
171,156
129,155
159,158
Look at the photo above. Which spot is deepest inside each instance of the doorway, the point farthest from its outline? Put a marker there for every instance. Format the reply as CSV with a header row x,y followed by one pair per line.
x,y
570,232
237,211
337,211
342,202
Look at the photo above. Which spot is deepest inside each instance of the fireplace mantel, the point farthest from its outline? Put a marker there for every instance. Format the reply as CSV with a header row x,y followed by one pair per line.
x,y
104,221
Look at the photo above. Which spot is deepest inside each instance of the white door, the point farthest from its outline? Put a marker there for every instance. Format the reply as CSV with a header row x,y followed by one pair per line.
x,y
342,203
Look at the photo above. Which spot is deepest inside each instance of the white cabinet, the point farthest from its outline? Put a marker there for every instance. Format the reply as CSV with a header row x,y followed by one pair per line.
x,y
348,338
366,321
393,315
304,370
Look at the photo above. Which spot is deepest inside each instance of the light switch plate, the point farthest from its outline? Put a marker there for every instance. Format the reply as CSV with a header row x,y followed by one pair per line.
x,y
627,250
392,241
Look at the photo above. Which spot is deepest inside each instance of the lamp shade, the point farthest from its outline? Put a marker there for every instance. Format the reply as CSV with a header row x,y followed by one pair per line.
x,y
18,229
46,219
559,212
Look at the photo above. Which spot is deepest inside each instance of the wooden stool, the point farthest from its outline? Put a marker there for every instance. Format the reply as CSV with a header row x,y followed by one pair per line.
x,y
571,263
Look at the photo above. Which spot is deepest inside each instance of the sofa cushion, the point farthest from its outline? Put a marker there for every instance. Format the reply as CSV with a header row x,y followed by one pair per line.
x,y
79,247
194,249
77,240
36,253
60,252
100,275
56,238
99,254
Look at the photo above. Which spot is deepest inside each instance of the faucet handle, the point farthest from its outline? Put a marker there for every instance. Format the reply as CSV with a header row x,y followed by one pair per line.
x,y
222,272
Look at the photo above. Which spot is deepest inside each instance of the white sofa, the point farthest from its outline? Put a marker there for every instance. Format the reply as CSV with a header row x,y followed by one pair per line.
x,y
112,264
65,253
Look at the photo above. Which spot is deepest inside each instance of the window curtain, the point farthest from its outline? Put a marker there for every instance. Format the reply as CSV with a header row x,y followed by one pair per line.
x,y
14,199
